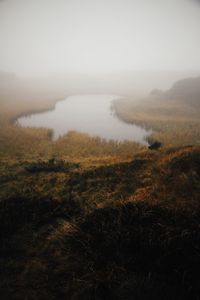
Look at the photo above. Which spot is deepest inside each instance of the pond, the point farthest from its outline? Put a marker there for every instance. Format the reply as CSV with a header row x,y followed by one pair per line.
x,y
91,114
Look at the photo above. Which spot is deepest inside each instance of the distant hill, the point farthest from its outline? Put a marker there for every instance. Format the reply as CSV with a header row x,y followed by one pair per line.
x,y
186,90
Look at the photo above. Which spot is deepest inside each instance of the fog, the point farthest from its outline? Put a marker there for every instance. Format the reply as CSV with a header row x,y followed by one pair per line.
x,y
93,36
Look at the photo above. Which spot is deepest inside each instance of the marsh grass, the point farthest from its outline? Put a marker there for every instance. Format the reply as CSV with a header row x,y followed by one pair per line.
x,y
173,123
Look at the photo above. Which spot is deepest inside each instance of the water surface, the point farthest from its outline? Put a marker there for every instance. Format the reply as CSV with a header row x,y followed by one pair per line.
x,y
91,114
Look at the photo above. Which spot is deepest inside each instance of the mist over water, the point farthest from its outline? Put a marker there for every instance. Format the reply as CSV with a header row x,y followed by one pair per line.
x,y
91,114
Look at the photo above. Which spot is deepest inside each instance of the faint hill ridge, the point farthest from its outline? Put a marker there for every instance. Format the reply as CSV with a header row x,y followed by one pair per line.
x,y
186,90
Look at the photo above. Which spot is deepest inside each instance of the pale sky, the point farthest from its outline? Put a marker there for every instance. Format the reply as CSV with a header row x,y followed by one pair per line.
x,y
38,36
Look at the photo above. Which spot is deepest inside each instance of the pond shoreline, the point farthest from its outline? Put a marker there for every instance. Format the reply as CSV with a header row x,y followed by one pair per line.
x,y
91,114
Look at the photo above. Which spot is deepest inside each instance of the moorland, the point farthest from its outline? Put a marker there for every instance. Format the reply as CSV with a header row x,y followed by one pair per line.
x,y
86,218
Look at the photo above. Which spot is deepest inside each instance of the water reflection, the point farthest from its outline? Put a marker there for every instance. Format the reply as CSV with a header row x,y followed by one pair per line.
x,y
90,114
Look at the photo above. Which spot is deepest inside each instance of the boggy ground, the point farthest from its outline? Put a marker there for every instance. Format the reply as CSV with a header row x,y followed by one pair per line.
x,y
125,230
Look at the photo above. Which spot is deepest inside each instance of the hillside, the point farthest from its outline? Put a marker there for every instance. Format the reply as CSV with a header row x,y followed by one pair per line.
x,y
186,91
121,231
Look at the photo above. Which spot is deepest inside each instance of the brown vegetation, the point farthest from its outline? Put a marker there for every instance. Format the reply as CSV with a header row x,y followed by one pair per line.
x,y
110,232
83,218
173,124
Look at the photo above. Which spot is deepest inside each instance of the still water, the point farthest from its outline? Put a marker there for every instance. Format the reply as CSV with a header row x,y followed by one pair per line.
x,y
91,114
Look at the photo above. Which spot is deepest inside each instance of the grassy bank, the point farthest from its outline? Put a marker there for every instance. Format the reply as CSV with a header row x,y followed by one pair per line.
x,y
173,123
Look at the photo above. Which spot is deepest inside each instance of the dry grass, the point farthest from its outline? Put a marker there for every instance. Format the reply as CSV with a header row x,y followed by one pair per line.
x,y
173,123
87,219
122,231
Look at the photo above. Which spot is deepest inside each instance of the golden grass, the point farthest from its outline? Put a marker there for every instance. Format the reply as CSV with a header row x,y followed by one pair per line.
x,y
173,123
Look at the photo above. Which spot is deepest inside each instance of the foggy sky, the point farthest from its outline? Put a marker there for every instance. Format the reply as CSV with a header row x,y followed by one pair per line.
x,y
39,36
